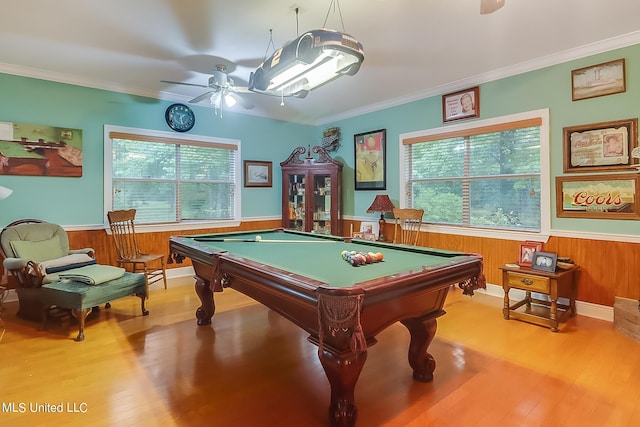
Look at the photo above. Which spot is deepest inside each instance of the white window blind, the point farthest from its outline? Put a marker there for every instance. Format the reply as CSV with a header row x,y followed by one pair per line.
x,y
486,177
171,180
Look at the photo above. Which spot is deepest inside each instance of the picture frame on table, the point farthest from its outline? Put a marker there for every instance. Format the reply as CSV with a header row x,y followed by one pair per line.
x,y
369,230
605,146
464,104
544,261
527,249
370,154
598,80
258,173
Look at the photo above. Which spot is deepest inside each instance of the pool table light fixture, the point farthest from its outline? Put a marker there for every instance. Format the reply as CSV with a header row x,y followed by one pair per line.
x,y
381,204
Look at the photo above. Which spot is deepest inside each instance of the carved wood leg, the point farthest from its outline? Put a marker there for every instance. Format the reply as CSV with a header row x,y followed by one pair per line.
x,y
204,313
506,304
81,315
343,372
422,333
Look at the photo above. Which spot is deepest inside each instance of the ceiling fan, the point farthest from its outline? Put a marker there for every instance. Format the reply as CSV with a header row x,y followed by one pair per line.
x,y
223,90
490,6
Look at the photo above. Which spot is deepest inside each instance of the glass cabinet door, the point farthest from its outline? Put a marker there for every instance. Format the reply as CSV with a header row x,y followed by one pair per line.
x,y
322,203
297,206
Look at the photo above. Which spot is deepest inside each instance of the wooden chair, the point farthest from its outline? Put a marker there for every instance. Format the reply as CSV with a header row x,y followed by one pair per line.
x,y
130,256
407,225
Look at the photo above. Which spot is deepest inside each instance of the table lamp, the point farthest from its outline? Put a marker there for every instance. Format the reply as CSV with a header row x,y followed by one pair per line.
x,y
381,204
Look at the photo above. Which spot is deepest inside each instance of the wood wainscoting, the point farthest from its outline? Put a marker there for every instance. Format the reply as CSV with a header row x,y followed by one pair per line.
x,y
606,267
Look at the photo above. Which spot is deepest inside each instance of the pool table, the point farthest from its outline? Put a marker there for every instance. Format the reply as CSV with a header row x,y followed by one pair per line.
x,y
303,277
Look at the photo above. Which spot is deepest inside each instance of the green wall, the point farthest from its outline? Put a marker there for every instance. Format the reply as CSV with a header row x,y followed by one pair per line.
x,y
79,201
548,87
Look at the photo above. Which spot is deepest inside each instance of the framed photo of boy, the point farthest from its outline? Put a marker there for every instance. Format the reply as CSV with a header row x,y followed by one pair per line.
x,y
544,261
464,104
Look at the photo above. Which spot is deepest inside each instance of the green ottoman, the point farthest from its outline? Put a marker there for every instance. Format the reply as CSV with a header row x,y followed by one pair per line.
x,y
80,298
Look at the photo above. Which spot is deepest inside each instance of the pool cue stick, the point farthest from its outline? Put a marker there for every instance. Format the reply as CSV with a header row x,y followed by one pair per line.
x,y
215,239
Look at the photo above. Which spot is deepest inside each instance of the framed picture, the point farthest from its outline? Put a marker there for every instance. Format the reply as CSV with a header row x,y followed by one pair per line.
x,y
598,196
369,230
527,250
600,146
463,104
598,80
257,173
370,160
544,261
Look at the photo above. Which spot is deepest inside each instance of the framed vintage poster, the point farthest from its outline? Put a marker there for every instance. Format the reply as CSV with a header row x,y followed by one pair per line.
x,y
598,196
257,173
605,146
598,80
459,105
370,160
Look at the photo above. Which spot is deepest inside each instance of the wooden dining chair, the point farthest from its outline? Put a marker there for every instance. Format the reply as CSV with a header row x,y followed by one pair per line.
x,y
407,225
130,256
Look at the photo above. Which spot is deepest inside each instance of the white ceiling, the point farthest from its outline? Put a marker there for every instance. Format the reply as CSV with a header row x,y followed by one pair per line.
x,y
413,49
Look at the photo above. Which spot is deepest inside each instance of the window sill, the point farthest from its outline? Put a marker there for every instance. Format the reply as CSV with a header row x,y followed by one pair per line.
x,y
486,233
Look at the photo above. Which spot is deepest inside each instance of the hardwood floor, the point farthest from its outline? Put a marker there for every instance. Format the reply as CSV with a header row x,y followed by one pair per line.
x,y
252,367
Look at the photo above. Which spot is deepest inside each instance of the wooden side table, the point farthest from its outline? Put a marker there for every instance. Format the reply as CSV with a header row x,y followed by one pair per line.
x,y
562,283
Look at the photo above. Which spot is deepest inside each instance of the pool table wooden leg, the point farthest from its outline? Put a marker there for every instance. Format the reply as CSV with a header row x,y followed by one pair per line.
x,y
342,371
422,333
204,313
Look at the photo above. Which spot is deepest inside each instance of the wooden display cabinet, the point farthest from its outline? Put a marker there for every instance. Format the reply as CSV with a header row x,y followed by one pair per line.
x,y
312,192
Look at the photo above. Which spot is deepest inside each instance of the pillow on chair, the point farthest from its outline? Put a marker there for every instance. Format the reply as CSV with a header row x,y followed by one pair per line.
x,y
38,251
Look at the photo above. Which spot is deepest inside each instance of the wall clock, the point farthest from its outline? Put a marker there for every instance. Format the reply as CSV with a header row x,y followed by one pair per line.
x,y
180,118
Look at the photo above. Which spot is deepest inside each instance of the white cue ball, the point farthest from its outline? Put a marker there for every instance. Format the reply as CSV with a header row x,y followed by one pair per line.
x,y
258,238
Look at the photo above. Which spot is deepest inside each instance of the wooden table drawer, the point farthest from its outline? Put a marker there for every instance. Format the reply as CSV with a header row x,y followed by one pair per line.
x,y
529,282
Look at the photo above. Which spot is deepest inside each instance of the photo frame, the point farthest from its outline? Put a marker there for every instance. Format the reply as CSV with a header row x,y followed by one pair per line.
x,y
370,160
544,261
614,196
258,173
464,104
598,80
369,230
527,249
604,146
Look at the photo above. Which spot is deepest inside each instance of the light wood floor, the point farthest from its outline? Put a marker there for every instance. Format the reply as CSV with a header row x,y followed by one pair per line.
x,y
254,368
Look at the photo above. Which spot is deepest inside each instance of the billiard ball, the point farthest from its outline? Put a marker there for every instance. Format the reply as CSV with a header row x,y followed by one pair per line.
x,y
380,256
258,238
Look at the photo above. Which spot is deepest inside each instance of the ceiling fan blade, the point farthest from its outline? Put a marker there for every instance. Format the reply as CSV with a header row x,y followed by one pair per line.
x,y
181,83
201,97
490,6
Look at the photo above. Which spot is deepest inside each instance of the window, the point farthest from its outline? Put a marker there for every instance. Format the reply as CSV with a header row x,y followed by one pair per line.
x,y
170,179
491,174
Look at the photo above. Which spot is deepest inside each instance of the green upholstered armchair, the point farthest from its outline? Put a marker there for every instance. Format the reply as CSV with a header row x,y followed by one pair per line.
x,y
34,251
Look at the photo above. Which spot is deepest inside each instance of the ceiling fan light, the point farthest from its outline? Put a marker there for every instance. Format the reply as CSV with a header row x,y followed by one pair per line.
x,y
229,100
490,6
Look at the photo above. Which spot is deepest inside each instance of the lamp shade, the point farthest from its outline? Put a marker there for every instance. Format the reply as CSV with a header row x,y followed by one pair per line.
x,y
5,192
381,203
